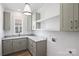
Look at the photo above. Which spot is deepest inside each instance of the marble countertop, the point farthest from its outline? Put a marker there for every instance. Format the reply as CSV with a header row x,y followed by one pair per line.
x,y
34,38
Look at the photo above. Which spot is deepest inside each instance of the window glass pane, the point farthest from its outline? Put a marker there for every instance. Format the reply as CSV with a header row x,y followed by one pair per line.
x,y
18,26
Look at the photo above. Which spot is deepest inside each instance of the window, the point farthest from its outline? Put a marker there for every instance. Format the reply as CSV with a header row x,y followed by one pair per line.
x,y
18,26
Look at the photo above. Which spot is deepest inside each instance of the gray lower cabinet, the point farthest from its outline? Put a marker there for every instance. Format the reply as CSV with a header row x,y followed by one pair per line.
x,y
14,45
19,44
7,47
41,48
37,48
32,47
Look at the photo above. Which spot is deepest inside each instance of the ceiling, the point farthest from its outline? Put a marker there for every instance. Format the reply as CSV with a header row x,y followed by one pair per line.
x,y
16,6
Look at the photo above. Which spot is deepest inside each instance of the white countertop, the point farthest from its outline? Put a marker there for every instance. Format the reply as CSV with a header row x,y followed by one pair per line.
x,y
34,38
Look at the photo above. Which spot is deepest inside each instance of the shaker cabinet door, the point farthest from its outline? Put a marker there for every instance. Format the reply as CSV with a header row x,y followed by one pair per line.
x,y
6,21
7,46
76,15
16,45
67,17
19,44
23,44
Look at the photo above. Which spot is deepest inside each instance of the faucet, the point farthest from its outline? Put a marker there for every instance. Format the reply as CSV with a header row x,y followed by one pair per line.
x,y
19,34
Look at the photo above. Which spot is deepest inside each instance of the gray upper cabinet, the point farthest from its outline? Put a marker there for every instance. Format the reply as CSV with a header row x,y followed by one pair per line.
x,y
6,21
69,17
76,17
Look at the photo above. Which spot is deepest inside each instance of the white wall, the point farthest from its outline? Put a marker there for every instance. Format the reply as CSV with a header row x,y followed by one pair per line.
x,y
65,41
1,28
49,9
50,12
55,22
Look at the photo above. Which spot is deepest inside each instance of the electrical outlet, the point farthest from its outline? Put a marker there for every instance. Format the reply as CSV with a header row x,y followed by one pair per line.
x,y
71,51
53,39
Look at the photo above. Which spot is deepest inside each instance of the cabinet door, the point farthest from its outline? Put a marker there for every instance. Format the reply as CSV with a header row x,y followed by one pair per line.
x,y
30,45
16,45
6,21
41,48
23,44
7,46
67,17
19,44
76,19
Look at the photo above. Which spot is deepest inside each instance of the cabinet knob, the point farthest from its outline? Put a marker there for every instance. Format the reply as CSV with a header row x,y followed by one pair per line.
x,y
71,27
75,20
75,27
71,21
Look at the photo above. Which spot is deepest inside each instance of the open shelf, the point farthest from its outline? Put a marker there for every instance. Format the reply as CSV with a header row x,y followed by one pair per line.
x,y
44,19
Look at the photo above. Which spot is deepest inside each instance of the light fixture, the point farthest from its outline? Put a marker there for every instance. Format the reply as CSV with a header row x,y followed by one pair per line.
x,y
27,9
